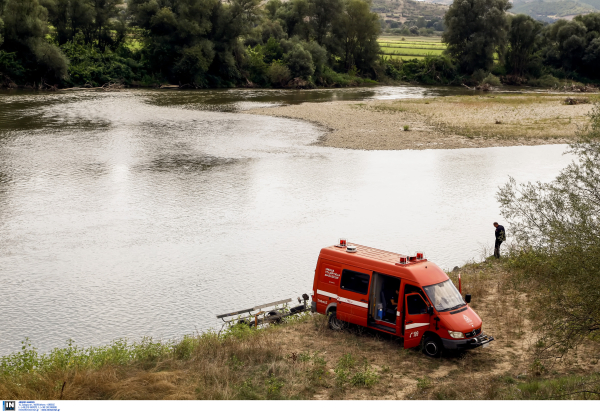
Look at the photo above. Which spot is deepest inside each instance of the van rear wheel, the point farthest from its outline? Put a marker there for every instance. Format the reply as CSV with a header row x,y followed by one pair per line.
x,y
432,347
334,322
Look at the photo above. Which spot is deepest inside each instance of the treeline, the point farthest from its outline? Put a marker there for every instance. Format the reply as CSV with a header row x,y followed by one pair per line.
x,y
299,43
485,45
199,43
414,27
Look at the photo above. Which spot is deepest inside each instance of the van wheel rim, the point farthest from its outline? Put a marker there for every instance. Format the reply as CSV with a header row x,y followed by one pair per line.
x,y
431,348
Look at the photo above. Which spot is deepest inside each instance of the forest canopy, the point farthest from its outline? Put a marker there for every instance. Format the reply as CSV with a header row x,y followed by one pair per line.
x,y
296,43
200,43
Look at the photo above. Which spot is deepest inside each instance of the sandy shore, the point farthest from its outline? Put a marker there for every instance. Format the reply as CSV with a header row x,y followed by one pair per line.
x,y
443,122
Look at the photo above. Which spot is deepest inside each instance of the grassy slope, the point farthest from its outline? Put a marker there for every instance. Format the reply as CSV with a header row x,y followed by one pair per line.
x,y
305,360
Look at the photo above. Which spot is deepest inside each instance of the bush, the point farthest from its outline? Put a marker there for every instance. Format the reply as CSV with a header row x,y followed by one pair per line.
x,y
91,66
478,75
546,80
10,66
256,66
491,80
299,61
557,246
430,70
279,74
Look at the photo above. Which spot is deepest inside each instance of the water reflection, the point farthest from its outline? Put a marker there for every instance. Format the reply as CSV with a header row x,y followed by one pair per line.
x,y
123,217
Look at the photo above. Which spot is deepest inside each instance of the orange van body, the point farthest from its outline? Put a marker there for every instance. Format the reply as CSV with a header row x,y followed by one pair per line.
x,y
414,300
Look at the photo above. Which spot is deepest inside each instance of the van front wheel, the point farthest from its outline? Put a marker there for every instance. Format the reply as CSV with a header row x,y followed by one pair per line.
x,y
334,322
432,347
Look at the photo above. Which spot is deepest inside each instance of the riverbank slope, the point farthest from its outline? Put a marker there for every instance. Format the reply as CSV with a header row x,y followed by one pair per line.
x,y
305,360
451,122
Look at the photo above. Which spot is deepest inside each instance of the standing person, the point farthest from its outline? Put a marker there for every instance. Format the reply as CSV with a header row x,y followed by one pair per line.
x,y
500,237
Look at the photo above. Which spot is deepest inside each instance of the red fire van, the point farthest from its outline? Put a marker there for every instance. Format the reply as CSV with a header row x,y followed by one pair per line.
x,y
406,296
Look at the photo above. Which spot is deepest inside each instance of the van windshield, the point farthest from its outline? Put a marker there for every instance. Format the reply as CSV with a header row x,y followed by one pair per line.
x,y
444,296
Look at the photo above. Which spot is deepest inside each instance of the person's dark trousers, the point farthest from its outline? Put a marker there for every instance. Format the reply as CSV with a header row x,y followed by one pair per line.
x,y
497,249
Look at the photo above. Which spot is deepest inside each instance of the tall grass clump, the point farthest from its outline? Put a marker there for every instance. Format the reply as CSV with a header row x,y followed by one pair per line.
x,y
238,363
556,231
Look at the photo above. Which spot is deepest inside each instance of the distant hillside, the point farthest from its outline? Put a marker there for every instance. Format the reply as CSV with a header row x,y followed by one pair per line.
x,y
593,3
403,10
544,10
553,10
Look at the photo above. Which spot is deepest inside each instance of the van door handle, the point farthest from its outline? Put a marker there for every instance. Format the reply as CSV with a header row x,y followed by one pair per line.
x,y
362,300
408,322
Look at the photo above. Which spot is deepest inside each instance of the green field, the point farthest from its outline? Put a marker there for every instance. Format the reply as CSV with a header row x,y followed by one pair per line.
x,y
408,48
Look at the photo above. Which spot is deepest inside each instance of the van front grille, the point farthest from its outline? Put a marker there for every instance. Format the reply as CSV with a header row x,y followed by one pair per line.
x,y
473,333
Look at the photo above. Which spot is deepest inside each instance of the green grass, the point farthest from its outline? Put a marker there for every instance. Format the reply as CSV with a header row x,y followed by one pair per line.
x,y
432,39
408,51
403,57
413,45
395,47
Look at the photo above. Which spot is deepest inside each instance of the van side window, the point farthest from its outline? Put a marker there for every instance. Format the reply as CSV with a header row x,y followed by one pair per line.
x,y
355,281
416,305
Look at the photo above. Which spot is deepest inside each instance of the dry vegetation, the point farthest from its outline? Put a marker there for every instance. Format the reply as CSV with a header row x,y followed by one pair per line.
x,y
306,360
444,122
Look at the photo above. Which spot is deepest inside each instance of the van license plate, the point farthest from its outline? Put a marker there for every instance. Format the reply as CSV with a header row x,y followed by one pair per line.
x,y
485,345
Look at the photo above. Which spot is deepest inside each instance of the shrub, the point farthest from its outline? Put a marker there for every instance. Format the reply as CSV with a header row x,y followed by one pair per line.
x,y
366,377
557,239
478,75
279,74
256,66
546,80
491,80
10,66
299,62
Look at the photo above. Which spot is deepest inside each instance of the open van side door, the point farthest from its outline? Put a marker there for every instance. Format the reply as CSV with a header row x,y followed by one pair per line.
x,y
416,320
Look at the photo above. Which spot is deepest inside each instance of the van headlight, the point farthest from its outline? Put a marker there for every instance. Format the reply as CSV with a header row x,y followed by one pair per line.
x,y
456,335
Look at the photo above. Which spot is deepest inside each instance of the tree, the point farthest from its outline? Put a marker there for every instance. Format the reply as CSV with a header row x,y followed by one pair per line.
x,y
354,37
299,61
323,14
592,55
294,15
176,42
195,42
1,27
475,30
271,8
105,22
25,29
229,23
101,21
522,37
556,226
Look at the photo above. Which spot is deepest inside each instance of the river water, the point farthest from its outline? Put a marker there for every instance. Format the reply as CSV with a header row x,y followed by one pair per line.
x,y
146,213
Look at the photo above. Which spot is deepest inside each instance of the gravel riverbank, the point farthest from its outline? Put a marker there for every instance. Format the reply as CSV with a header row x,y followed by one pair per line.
x,y
443,122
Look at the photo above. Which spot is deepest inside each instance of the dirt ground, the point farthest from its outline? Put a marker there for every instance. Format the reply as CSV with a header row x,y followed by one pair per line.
x,y
488,120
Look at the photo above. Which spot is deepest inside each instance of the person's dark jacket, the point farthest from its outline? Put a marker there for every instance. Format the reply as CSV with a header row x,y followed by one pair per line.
x,y
500,233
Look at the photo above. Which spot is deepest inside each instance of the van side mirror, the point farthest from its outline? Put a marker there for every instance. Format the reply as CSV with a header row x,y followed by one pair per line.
x,y
468,298
430,310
